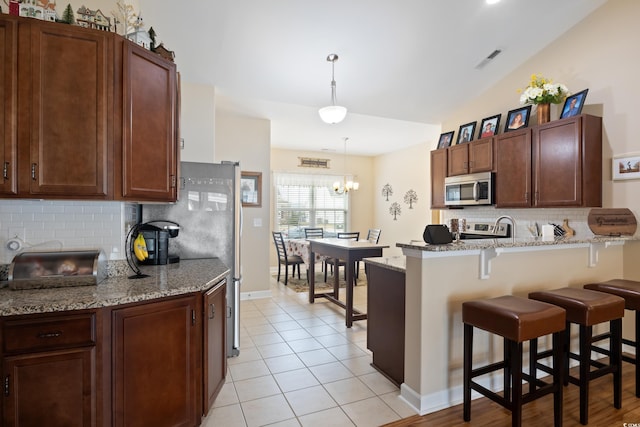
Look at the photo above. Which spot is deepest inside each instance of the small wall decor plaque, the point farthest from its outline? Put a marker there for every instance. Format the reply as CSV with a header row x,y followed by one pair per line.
x,y
625,167
395,210
410,198
387,191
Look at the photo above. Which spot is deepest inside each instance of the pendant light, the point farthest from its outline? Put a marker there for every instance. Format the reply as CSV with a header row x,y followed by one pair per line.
x,y
333,113
346,185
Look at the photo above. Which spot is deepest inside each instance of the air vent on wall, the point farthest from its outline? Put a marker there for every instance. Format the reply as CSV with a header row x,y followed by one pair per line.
x,y
309,162
490,57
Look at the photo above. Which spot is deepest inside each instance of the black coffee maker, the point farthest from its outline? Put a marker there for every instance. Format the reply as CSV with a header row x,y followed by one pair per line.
x,y
157,241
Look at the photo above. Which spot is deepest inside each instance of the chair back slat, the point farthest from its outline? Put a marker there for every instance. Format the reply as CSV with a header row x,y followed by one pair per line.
x,y
313,232
351,235
374,235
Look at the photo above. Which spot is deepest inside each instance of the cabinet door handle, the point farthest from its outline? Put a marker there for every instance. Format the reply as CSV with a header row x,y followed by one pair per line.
x,y
5,170
526,196
6,385
212,311
173,181
53,334
33,171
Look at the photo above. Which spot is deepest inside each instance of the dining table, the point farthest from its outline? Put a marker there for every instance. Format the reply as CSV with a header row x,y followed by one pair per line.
x,y
349,251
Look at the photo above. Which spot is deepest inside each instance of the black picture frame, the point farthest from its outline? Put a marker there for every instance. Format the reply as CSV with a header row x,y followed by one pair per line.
x,y
445,139
512,124
569,110
466,132
493,122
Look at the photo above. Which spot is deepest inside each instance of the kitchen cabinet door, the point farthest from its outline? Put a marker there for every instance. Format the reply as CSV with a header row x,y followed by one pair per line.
x,y
149,157
9,110
155,363
438,173
513,165
567,156
215,339
50,389
471,157
69,106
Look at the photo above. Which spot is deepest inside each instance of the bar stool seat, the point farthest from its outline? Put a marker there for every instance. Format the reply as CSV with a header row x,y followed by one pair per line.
x,y
587,308
630,291
516,319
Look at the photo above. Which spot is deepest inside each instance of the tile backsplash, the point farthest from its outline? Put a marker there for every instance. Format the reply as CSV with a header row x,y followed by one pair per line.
x,y
53,225
525,217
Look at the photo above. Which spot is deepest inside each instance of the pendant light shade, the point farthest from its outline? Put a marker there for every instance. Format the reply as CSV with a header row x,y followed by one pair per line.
x,y
333,113
346,185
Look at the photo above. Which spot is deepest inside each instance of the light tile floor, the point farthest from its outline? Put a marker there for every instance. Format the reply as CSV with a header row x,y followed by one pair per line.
x,y
300,366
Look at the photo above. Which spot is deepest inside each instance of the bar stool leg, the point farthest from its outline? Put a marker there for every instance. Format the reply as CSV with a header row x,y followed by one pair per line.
x,y
615,349
558,377
585,364
565,351
506,373
516,383
637,348
533,360
468,352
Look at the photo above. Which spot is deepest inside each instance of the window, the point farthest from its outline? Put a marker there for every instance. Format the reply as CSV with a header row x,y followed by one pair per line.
x,y
306,200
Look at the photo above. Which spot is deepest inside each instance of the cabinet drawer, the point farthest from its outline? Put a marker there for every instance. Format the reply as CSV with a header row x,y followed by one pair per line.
x,y
46,333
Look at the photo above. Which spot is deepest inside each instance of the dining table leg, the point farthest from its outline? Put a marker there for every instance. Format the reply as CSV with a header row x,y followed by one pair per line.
x,y
311,271
348,265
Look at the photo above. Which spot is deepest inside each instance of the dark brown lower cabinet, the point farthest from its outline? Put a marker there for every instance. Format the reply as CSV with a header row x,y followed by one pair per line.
x,y
50,389
155,363
215,330
385,320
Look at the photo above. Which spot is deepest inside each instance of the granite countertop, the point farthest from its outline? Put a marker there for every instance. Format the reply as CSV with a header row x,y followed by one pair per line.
x,y
397,263
185,277
529,242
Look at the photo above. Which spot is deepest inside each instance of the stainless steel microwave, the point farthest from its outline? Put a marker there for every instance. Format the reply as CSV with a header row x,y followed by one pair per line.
x,y
469,190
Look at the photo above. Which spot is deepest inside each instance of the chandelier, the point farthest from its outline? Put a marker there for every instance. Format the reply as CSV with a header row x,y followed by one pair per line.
x,y
346,185
333,113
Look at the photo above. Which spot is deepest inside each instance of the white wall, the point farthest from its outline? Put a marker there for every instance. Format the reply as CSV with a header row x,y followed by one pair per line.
x,y
197,122
404,170
247,140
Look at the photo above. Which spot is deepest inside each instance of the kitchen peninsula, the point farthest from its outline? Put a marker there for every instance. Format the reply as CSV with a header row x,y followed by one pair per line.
x,y
439,278
147,350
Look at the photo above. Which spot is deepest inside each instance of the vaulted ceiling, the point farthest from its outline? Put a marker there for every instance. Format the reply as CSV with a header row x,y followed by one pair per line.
x,y
403,66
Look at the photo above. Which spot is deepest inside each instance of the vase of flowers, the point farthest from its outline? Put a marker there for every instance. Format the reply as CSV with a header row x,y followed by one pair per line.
x,y
542,92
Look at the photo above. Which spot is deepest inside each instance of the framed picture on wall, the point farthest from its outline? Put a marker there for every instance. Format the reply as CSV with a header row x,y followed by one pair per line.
x,y
445,140
465,134
626,167
573,104
489,126
251,189
518,118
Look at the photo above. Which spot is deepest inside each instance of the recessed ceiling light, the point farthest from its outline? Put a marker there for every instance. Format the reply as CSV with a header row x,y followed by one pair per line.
x,y
492,1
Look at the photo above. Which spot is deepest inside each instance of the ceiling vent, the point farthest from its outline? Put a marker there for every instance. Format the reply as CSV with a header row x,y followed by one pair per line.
x,y
488,59
309,162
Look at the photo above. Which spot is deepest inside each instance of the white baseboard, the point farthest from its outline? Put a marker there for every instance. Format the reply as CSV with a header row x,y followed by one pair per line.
x,y
255,295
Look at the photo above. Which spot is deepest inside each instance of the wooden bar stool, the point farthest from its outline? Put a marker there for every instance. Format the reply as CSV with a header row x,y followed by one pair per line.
x,y
516,319
587,308
630,291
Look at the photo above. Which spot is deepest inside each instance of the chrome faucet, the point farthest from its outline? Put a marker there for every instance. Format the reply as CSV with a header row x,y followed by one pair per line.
x,y
513,226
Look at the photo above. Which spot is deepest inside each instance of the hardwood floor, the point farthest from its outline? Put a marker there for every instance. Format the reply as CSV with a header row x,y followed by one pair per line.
x,y
484,412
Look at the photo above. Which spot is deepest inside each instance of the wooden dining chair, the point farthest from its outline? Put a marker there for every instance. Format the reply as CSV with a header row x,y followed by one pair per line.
x,y
313,232
373,236
285,259
350,235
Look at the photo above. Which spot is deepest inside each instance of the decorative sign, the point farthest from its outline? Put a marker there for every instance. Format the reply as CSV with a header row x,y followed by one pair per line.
x,y
612,222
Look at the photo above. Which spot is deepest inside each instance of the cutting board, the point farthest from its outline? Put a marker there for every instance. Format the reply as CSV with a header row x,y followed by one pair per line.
x,y
612,222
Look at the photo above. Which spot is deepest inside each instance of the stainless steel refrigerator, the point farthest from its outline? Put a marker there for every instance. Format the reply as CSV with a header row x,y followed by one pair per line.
x,y
209,212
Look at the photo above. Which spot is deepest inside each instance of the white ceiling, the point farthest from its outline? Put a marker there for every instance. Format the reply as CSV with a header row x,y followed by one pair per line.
x,y
404,64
